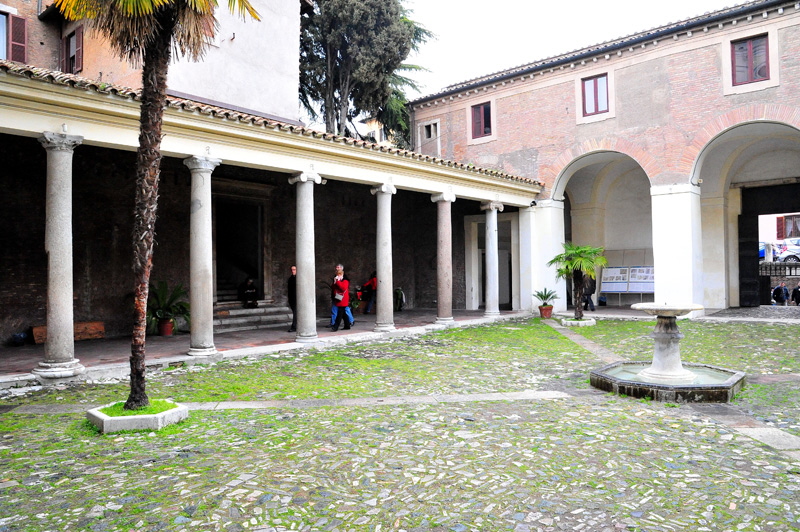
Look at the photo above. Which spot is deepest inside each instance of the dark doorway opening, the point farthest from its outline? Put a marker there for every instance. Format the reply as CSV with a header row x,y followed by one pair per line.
x,y
238,245
755,201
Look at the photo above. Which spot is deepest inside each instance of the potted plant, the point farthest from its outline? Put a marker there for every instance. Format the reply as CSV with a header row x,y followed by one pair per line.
x,y
546,296
164,305
578,263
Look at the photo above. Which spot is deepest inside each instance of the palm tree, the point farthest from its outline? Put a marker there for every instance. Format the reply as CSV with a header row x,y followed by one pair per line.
x,y
145,32
578,263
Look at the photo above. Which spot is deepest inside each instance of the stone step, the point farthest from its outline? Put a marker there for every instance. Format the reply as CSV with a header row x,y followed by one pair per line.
x,y
267,318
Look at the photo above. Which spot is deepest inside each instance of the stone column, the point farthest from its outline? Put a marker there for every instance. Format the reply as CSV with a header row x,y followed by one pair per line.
x,y
201,260
384,315
492,266
305,260
548,239
59,348
444,257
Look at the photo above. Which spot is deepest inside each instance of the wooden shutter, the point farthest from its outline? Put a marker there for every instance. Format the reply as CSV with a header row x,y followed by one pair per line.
x,y
62,55
780,228
18,40
477,122
78,49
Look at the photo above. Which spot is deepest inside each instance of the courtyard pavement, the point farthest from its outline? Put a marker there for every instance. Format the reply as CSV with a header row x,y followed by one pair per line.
x,y
552,456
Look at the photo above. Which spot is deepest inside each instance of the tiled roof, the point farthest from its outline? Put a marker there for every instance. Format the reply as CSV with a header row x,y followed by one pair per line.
x,y
605,47
60,78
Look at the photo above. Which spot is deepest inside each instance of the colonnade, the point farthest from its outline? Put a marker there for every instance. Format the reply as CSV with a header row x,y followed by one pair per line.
x,y
59,360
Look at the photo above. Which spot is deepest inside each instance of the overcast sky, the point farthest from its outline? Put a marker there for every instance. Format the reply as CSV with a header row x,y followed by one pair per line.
x,y
475,38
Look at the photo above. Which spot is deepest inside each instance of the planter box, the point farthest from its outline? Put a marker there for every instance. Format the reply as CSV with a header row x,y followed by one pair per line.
x,y
149,422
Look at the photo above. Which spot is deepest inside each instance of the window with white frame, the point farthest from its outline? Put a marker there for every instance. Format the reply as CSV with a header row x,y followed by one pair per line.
x,y
750,60
595,95
428,138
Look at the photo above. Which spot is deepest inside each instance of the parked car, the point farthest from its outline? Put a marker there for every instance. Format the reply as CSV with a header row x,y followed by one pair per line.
x,y
789,250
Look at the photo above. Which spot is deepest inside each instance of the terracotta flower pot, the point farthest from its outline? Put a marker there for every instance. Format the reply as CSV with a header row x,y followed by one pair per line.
x,y
546,311
165,327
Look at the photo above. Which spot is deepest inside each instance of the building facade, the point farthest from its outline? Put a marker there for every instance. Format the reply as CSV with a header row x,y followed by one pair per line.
x,y
663,147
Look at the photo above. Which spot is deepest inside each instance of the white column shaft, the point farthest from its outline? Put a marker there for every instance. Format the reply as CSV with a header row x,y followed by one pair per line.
x,y
201,260
492,298
677,245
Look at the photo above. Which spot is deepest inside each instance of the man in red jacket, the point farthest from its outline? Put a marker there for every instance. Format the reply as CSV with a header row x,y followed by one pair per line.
x,y
341,297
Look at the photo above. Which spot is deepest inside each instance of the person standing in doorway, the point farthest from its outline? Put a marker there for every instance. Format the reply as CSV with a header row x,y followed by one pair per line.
x,y
292,293
341,298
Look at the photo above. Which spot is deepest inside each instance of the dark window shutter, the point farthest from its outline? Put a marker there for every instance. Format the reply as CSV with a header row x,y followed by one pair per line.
x,y
62,55
18,40
78,49
780,232
477,125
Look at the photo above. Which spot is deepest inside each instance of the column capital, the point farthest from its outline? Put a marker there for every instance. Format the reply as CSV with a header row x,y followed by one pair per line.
x,y
59,141
201,163
385,188
304,177
443,196
492,205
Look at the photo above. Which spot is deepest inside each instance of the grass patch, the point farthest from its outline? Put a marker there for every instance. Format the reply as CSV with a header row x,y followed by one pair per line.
x,y
156,406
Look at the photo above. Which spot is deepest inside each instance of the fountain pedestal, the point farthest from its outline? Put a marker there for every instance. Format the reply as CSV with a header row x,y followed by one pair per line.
x,y
667,365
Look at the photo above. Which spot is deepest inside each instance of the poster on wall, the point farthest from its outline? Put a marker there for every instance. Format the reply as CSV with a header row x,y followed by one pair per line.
x,y
628,279
614,279
641,280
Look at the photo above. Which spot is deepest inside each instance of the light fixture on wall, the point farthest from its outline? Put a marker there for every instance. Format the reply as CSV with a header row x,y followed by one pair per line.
x,y
533,203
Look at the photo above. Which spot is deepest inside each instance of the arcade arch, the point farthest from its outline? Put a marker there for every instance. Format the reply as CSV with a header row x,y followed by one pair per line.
x,y
749,169
608,194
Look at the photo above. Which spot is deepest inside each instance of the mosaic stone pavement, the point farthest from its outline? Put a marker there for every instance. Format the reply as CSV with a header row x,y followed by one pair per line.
x,y
581,460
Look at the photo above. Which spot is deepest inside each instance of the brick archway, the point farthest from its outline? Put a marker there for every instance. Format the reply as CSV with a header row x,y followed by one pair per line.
x,y
556,171
753,113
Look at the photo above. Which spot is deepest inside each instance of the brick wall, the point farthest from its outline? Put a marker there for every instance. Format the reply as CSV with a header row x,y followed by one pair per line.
x,y
669,104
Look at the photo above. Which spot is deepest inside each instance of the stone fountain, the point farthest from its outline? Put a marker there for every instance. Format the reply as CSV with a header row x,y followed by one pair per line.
x,y
667,378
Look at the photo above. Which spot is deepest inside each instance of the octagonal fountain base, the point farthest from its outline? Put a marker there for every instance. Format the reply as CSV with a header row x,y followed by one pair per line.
x,y
710,384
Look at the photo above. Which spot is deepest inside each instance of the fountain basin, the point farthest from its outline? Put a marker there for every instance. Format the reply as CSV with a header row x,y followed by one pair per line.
x,y
708,384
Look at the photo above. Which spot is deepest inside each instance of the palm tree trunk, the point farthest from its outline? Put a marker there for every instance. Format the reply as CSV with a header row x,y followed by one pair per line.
x,y
577,279
148,163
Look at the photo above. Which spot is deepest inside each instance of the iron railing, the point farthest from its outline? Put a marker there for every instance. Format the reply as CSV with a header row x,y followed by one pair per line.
x,y
779,269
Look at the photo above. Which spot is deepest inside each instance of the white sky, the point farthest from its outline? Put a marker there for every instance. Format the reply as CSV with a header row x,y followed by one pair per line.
x,y
475,38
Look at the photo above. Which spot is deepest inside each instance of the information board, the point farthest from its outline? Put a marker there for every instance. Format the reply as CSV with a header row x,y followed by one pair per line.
x,y
628,279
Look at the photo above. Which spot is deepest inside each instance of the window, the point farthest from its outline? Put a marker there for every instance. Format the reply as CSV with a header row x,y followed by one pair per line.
x,y
481,120
13,38
72,45
750,59
595,95
430,131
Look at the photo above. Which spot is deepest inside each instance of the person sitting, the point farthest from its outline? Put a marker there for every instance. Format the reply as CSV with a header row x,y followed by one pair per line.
x,y
248,293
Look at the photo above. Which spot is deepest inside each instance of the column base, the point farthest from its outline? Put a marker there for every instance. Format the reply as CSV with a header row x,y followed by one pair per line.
x,y
491,313
444,321
202,351
386,327
306,339
59,370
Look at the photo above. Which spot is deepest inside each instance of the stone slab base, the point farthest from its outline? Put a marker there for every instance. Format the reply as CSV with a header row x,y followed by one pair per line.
x,y
108,424
586,322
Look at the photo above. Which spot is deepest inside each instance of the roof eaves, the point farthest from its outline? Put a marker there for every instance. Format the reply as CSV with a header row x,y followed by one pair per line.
x,y
184,104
